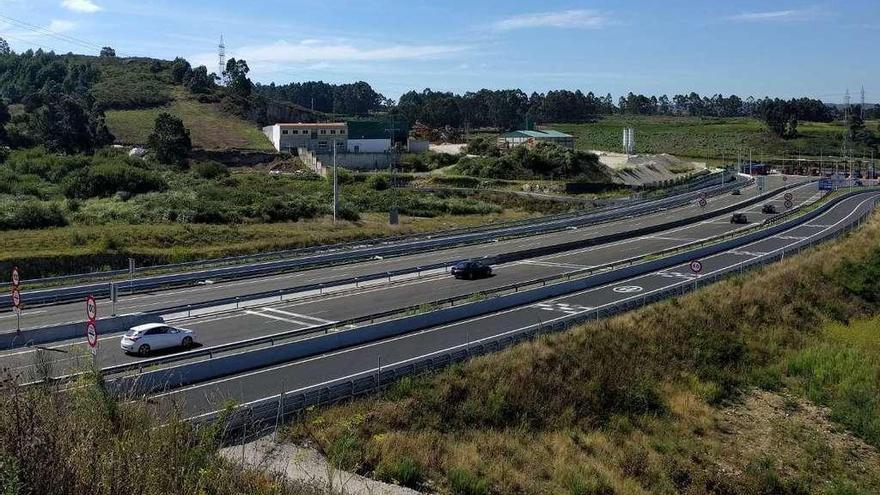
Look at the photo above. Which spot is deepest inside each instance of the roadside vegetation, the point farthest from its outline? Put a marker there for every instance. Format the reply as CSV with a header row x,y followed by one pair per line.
x,y
82,441
765,383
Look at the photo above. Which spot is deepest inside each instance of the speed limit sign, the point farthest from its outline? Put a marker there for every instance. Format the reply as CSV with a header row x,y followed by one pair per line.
x,y
696,266
92,334
16,297
788,203
91,308
788,196
16,279
702,202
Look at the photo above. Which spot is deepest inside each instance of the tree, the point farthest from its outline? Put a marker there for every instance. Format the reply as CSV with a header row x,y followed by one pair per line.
x,y
169,140
180,70
237,82
199,81
66,122
108,52
4,119
4,47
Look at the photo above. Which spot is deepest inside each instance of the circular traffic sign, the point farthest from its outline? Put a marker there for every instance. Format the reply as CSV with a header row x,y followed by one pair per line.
x,y
91,308
788,196
696,266
702,195
627,289
16,280
784,178
91,334
702,202
16,297
788,203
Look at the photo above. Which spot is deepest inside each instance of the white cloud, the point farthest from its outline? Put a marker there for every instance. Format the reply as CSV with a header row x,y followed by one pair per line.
x,y
776,16
313,51
81,6
61,26
571,19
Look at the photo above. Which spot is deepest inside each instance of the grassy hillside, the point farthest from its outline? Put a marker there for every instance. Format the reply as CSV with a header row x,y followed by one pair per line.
x,y
693,136
740,388
209,127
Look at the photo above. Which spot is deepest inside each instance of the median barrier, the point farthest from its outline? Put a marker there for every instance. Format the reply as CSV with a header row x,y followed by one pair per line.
x,y
42,335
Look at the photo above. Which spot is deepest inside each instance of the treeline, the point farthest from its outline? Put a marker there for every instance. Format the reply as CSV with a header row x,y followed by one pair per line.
x,y
59,111
506,109
350,99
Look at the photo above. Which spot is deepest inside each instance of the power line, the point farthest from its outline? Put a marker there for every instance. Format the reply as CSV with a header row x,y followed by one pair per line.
x,y
45,31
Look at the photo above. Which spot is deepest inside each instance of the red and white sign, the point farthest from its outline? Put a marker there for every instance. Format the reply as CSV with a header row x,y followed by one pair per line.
x,y
696,266
16,279
788,203
91,308
702,202
788,196
92,334
16,297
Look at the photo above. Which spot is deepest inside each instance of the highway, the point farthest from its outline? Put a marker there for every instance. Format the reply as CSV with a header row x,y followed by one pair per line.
x,y
73,312
361,360
235,325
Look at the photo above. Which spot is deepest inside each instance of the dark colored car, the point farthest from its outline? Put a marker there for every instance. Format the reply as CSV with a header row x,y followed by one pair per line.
x,y
768,209
739,218
736,192
471,269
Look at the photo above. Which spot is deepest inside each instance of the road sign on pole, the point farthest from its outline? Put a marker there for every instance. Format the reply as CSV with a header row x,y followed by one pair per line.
x,y
16,278
703,202
788,203
91,325
788,196
91,308
696,266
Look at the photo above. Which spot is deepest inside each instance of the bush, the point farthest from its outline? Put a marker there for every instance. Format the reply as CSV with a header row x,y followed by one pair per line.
x,y
30,214
277,210
378,182
210,170
106,179
348,213
463,482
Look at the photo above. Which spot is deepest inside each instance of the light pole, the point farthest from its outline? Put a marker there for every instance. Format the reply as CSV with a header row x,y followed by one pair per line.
x,y
335,184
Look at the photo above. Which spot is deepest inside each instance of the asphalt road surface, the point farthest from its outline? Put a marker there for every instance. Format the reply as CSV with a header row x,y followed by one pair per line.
x,y
236,325
360,360
74,312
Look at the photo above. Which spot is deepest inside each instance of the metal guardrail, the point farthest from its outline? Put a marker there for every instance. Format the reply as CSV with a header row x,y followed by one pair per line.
x,y
487,306
335,256
257,418
502,258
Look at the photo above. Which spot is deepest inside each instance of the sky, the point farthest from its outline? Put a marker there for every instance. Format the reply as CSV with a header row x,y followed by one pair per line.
x,y
758,48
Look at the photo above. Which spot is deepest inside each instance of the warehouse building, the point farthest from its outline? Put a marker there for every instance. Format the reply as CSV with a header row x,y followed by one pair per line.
x,y
313,137
531,138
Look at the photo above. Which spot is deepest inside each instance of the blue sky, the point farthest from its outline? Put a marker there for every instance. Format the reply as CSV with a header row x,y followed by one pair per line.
x,y
779,48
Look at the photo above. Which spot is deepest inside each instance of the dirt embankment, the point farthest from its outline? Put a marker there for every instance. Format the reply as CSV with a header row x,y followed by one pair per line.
x,y
637,170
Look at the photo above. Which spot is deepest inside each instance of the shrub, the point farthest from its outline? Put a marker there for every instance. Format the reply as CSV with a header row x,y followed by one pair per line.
x,y
378,182
106,179
30,214
463,482
348,213
210,170
404,471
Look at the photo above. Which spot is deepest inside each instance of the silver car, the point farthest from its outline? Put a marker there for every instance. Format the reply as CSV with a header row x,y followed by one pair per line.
x,y
144,339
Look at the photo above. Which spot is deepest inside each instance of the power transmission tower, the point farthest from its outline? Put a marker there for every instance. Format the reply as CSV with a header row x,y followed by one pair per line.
x,y
221,60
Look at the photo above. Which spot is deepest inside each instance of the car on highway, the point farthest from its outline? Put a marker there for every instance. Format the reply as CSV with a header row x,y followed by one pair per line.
x,y
739,218
769,209
471,269
143,339
736,192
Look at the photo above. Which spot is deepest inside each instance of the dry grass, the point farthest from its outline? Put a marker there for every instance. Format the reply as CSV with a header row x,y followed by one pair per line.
x,y
634,404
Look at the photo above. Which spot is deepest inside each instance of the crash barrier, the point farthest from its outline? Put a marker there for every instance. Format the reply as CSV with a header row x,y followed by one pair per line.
x,y
260,417
338,254
42,335
216,367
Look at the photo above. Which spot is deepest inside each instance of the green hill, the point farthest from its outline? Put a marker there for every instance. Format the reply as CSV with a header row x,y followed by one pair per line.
x,y
209,127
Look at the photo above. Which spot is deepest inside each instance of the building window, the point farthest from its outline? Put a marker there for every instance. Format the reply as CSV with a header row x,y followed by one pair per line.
x,y
322,145
284,132
332,131
341,131
323,131
294,131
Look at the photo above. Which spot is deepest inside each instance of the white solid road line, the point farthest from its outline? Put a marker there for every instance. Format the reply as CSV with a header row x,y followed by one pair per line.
x,y
298,315
433,329
280,318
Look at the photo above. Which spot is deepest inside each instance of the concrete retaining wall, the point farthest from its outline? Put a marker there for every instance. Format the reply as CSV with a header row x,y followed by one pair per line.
x,y
42,335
